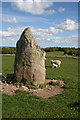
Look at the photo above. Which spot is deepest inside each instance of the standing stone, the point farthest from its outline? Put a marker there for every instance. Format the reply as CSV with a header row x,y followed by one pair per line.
x,y
29,66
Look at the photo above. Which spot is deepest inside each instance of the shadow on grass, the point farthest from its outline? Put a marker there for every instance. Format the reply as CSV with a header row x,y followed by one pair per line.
x,y
75,106
8,79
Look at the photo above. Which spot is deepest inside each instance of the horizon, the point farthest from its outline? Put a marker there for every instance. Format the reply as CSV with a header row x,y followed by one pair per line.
x,y
42,48
53,24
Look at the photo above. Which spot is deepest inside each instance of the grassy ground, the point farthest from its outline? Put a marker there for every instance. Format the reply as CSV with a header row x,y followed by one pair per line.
x,y
24,106
0,64
55,53
7,64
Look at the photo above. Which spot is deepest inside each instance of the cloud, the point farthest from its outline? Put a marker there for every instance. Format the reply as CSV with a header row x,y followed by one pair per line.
x,y
53,30
49,12
45,36
12,34
61,10
33,6
10,20
68,25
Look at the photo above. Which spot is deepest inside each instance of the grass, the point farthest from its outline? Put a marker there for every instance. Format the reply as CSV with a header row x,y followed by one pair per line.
x,y
0,64
42,85
54,53
56,83
23,105
67,72
7,64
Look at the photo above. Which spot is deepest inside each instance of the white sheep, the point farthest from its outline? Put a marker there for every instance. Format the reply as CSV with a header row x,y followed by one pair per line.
x,y
57,62
54,65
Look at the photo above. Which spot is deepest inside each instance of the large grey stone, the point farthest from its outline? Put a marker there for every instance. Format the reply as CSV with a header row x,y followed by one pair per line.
x,y
29,63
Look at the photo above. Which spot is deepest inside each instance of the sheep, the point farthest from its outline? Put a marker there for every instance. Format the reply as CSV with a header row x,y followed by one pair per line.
x,y
57,62
54,65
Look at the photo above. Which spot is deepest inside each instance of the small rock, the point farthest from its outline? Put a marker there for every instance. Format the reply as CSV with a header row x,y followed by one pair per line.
x,y
7,85
49,88
10,82
0,82
23,88
17,86
3,81
12,91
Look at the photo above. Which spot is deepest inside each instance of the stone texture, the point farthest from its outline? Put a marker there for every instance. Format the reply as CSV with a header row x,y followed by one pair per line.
x,y
29,66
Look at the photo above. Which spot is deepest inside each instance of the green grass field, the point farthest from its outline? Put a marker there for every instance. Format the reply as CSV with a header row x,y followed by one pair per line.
x,y
24,106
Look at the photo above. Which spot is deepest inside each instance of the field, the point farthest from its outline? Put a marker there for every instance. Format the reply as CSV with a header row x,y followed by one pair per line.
x,y
63,105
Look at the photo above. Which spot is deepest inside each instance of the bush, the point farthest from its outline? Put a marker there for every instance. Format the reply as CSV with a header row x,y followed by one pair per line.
x,y
70,52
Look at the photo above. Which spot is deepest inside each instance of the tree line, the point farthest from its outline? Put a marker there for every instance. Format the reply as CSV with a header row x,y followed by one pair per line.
x,y
7,50
68,51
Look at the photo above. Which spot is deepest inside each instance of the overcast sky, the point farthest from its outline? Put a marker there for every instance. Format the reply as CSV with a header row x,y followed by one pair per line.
x,y
54,24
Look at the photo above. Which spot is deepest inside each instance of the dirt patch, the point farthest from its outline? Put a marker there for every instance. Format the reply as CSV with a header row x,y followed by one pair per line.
x,y
49,90
9,89
46,92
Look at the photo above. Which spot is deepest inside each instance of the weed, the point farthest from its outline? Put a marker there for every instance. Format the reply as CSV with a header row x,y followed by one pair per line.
x,y
42,85
56,83
18,84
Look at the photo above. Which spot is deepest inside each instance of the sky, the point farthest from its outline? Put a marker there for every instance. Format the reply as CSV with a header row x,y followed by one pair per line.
x,y
54,24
